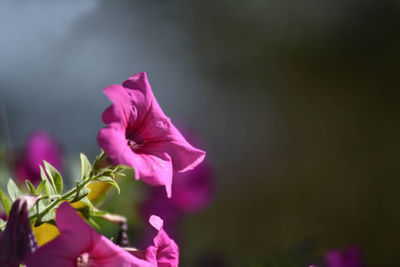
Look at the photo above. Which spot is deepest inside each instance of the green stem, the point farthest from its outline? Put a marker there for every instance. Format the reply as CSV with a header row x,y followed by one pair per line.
x,y
58,201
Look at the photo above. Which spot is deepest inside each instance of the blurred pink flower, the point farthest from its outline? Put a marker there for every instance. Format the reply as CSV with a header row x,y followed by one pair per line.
x,y
79,245
193,190
39,146
140,135
350,257
17,241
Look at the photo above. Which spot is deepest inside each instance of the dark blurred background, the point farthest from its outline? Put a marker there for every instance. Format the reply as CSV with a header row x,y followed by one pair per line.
x,y
297,103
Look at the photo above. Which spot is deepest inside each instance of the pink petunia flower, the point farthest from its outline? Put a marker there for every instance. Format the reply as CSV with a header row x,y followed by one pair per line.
x,y
17,241
350,257
79,245
39,146
140,135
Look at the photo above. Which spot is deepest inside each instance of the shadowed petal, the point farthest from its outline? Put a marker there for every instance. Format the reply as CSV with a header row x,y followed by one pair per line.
x,y
17,241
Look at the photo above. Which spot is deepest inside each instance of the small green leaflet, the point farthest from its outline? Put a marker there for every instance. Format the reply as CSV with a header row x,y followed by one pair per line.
x,y
30,186
85,167
109,180
93,223
48,187
80,194
40,187
55,177
5,201
87,202
2,225
13,190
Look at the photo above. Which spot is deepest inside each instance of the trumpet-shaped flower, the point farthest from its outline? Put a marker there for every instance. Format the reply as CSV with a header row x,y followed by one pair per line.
x,y
140,135
17,241
79,245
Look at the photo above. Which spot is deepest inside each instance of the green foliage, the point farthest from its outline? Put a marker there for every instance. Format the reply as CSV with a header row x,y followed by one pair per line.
x,y
89,204
85,167
54,177
48,187
40,187
5,202
13,190
109,180
81,192
30,186
2,225
50,190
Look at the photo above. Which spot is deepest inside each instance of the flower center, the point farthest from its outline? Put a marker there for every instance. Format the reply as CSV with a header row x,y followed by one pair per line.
x,y
84,260
133,145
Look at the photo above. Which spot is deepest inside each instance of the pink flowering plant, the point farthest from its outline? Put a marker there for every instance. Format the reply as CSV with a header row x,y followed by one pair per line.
x,y
138,136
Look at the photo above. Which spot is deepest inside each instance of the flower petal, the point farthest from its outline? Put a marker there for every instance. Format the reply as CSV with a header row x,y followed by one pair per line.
x,y
107,254
77,238
17,241
121,110
153,169
156,128
58,252
165,252
161,135
65,248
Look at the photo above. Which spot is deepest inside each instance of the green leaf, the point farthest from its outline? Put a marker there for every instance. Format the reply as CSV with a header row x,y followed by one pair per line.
x,y
30,186
2,225
93,223
87,202
40,187
55,177
13,190
109,180
80,194
85,167
121,168
5,201
48,187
